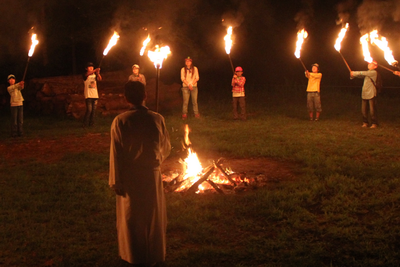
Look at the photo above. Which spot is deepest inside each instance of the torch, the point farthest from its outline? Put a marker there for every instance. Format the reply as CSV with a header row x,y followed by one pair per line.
x,y
157,57
143,49
301,35
228,45
339,40
382,43
113,41
34,43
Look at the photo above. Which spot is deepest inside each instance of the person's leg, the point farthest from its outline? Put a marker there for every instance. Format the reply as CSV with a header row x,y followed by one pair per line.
x,y
14,121
317,105
20,120
364,111
194,94
310,105
235,105
88,110
185,96
373,111
93,112
242,103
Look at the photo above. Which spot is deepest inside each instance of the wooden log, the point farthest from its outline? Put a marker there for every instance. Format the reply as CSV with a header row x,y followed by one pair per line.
x,y
215,187
217,165
195,186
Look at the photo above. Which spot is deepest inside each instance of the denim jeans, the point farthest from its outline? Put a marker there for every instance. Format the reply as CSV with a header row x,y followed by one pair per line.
x,y
91,104
17,120
368,106
186,93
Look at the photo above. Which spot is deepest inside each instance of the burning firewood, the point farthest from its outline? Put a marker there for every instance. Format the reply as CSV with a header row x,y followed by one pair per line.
x,y
195,186
218,165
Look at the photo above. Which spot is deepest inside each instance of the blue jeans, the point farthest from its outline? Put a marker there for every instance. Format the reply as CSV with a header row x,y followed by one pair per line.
x,y
17,117
91,104
186,93
368,106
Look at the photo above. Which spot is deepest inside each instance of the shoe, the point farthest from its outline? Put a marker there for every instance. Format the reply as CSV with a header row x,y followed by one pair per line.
x,y
373,126
316,119
365,125
197,116
311,119
184,116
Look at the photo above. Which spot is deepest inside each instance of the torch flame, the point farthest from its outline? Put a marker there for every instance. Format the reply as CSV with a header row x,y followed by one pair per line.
x,y
113,41
145,43
187,141
228,40
34,43
364,43
301,35
382,43
340,38
158,56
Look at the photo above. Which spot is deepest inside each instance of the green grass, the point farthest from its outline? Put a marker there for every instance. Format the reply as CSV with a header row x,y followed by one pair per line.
x,y
342,209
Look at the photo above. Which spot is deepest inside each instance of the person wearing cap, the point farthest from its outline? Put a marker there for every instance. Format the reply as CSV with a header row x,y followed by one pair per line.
x,y
189,77
90,79
368,93
16,104
313,92
238,95
136,76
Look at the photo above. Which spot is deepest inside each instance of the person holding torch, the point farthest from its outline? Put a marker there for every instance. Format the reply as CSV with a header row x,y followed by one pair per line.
x,y
368,93
238,94
313,92
90,79
16,103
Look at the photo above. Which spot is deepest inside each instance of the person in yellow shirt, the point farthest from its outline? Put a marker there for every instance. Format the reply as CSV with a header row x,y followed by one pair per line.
x,y
313,92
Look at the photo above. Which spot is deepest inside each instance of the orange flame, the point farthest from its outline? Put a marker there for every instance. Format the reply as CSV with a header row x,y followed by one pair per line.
x,y
301,35
187,141
113,41
364,42
145,43
382,43
34,43
228,40
158,56
340,38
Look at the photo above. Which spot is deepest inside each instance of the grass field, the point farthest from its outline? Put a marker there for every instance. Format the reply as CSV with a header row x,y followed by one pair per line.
x,y
342,208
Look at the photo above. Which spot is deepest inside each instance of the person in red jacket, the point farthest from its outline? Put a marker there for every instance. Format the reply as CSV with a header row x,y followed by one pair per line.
x,y
238,95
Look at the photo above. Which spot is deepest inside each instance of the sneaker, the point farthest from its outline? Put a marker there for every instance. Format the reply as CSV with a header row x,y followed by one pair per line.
x,y
184,116
316,119
311,119
365,125
373,126
197,116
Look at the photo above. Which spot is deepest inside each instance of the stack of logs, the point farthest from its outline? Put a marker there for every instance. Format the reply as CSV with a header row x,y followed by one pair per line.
x,y
64,95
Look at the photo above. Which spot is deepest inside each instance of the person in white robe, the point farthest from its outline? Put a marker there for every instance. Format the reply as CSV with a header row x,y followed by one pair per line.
x,y
139,144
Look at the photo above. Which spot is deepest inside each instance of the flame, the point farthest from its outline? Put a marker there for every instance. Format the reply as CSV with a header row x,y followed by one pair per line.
x,y
228,40
340,38
34,43
364,42
382,43
187,141
158,56
145,43
301,35
113,41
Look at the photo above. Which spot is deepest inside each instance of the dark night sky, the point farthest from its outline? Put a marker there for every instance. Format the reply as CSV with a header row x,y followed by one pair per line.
x,y
72,32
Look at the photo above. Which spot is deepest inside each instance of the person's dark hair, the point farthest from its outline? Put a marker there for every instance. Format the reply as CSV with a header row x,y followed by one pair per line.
x,y
135,92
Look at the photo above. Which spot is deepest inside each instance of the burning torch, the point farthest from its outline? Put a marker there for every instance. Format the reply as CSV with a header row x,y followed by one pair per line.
x,y
339,40
34,43
113,41
301,35
228,45
157,57
382,43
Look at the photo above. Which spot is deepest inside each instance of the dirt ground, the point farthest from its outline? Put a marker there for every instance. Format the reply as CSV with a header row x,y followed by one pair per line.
x,y
52,150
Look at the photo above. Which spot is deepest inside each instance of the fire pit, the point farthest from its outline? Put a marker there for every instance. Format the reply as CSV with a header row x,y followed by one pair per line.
x,y
215,178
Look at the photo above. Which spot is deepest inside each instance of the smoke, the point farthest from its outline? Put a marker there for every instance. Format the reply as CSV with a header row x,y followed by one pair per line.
x,y
304,16
373,14
344,9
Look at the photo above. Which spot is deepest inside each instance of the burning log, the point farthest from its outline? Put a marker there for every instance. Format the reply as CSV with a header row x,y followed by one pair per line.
x,y
205,176
219,190
217,165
